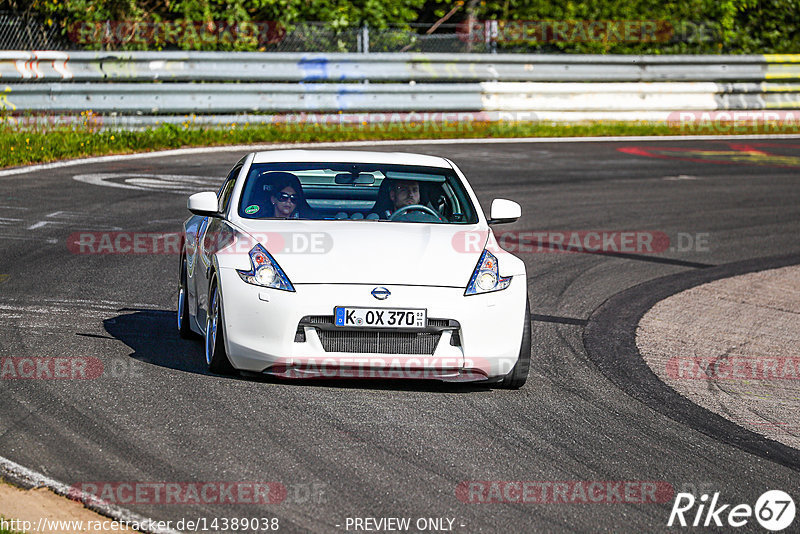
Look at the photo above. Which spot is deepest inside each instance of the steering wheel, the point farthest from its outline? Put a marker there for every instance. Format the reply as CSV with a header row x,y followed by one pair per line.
x,y
415,207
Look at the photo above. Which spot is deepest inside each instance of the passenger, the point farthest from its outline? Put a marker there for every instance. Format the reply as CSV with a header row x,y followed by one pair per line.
x,y
287,198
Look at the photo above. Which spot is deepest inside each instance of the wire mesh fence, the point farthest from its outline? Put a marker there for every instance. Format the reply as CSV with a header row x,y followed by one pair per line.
x,y
448,38
25,33
268,36
490,36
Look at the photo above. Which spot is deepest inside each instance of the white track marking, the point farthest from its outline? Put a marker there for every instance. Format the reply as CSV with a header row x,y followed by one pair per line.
x,y
150,182
66,215
147,182
679,177
70,218
40,315
100,179
40,224
345,144
49,240
112,305
29,477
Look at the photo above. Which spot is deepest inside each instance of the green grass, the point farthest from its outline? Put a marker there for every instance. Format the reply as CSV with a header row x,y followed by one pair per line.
x,y
23,145
6,531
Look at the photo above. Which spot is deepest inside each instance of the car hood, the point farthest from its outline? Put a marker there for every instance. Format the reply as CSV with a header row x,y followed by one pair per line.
x,y
368,252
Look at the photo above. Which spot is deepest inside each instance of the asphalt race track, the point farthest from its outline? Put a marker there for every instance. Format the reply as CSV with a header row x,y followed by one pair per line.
x,y
378,449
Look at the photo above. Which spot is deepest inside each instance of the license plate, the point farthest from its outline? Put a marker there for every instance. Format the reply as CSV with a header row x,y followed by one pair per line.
x,y
380,317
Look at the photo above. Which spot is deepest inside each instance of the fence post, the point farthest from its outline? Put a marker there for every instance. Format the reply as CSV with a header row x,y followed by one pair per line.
x,y
365,38
490,35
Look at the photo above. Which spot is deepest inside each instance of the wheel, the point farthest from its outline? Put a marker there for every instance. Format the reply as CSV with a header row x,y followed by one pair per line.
x,y
216,356
519,374
415,207
184,330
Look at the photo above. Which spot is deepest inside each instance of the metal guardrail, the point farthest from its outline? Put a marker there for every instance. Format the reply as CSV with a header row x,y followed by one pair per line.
x,y
655,96
564,86
210,98
232,98
295,67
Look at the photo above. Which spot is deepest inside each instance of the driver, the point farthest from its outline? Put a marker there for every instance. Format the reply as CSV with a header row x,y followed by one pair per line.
x,y
404,193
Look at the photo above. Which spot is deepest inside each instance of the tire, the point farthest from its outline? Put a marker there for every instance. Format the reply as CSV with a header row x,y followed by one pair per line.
x,y
519,374
216,357
184,330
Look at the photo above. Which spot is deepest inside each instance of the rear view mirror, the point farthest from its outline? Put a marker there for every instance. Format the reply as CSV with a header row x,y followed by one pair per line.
x,y
504,211
204,204
363,178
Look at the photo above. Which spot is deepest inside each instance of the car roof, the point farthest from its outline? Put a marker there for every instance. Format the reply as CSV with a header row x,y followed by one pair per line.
x,y
349,156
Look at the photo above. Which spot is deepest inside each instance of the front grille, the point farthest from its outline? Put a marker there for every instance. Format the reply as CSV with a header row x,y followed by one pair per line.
x,y
317,319
370,341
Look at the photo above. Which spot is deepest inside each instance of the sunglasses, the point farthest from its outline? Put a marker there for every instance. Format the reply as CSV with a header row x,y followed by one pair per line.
x,y
283,197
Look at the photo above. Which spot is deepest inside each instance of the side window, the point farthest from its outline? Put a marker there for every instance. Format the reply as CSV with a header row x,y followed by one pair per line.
x,y
226,190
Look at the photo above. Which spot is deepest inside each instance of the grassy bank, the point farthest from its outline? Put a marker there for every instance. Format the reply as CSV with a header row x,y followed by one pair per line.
x,y
3,530
39,144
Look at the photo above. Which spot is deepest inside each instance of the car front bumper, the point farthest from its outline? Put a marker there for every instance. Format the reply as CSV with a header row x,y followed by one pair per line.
x,y
291,334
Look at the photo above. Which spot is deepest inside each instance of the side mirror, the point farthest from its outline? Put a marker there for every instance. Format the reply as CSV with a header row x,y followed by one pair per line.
x,y
204,204
504,211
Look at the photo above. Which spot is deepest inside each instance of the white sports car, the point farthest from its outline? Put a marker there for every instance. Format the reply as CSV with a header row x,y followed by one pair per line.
x,y
344,264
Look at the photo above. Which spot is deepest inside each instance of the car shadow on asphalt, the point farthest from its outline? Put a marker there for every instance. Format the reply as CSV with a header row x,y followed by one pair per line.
x,y
153,337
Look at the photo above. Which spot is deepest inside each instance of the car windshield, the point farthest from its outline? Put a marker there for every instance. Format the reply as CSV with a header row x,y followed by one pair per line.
x,y
355,191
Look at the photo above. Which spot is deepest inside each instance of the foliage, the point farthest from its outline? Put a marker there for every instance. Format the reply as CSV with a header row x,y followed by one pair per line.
x,y
687,26
196,24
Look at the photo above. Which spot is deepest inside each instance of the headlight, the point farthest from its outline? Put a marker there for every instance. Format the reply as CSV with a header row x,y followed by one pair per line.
x,y
265,271
265,275
486,277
